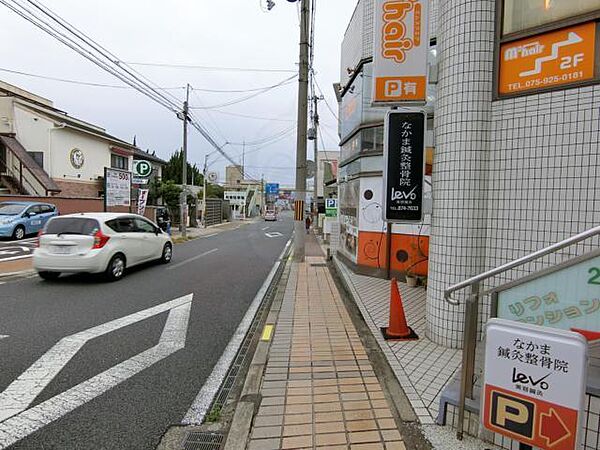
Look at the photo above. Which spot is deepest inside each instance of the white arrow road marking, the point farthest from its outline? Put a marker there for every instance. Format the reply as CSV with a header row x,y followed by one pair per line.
x,y
194,258
273,234
266,228
17,423
3,336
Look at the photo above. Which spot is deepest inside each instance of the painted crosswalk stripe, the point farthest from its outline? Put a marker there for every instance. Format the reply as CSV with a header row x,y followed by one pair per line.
x,y
17,422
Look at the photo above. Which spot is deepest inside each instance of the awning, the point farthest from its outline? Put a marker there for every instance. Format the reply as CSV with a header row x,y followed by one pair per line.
x,y
21,154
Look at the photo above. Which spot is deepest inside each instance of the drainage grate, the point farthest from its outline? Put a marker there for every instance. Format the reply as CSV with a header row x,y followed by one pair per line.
x,y
203,441
318,265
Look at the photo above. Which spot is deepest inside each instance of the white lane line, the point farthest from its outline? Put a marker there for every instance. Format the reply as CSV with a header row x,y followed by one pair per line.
x,y
265,228
21,392
172,339
185,261
203,400
3,336
210,235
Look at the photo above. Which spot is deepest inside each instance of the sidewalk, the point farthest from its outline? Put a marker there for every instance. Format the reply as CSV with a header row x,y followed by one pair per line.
x,y
319,387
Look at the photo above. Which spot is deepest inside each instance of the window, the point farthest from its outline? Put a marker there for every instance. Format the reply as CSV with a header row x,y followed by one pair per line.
x,y
143,226
121,225
38,157
72,225
521,15
119,162
45,209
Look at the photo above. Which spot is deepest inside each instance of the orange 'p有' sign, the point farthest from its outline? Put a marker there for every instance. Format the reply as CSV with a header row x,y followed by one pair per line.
x,y
401,47
560,57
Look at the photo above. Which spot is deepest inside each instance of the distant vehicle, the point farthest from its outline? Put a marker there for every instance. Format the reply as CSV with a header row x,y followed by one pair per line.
x,y
270,215
18,219
99,243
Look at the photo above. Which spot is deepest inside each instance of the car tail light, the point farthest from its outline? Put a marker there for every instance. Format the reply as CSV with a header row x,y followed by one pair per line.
x,y
100,239
39,236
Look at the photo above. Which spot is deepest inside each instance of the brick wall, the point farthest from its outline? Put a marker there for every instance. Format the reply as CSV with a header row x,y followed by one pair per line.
x,y
79,188
70,205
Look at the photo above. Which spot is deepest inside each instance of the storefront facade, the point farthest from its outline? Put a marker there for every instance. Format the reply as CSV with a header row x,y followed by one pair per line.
x,y
363,233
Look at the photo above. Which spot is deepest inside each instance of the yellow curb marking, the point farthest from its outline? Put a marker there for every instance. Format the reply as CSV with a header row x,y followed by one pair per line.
x,y
267,333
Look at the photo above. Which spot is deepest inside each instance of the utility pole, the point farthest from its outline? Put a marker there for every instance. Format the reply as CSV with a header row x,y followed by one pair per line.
x,y
299,205
204,172
315,120
263,206
183,200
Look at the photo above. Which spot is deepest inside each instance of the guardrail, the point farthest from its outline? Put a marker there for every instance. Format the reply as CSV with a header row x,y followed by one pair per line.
x,y
472,312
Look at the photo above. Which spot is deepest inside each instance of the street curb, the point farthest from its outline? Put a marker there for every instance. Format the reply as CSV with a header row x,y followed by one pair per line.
x,y
202,402
250,397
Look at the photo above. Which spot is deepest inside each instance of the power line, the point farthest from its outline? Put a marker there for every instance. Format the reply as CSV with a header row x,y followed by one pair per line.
x,y
79,82
325,99
248,97
273,119
265,140
99,48
100,56
209,68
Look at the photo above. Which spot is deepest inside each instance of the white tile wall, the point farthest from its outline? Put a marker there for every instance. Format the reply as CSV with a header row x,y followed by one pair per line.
x,y
462,127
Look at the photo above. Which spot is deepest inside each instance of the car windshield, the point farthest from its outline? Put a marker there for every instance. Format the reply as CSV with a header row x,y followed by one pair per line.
x,y
10,209
72,225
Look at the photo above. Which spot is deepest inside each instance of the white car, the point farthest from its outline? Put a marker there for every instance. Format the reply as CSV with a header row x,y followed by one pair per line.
x,y
99,243
270,215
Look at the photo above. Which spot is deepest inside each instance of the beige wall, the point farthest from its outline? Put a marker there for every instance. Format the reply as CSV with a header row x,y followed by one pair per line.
x,y
6,115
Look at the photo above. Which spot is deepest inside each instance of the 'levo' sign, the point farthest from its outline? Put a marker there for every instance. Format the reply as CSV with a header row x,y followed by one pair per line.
x,y
534,384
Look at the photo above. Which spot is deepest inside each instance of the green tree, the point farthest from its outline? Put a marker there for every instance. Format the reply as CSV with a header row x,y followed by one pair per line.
x,y
169,191
174,168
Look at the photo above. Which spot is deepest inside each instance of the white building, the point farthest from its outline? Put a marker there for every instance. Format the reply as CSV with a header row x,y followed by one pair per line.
x,y
44,151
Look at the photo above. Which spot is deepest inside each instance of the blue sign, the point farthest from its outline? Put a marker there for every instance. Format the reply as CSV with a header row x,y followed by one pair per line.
x,y
272,188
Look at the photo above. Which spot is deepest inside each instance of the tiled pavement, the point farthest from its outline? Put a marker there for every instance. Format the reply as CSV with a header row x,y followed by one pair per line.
x,y
319,388
422,367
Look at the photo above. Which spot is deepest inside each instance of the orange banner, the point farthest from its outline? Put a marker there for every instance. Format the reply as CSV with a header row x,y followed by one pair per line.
x,y
552,59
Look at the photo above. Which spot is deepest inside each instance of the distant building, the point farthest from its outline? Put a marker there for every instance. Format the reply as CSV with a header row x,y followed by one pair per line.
x,y
238,186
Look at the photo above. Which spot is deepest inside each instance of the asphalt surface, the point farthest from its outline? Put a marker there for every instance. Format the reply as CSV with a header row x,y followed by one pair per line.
x,y
224,272
11,249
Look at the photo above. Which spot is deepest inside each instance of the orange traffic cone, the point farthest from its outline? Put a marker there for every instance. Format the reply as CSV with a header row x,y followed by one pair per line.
x,y
398,329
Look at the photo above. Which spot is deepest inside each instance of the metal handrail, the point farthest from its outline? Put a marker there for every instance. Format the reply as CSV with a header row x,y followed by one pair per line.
x,y
472,313
518,262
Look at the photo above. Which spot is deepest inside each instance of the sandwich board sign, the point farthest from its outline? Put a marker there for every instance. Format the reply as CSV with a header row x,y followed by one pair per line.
x,y
534,384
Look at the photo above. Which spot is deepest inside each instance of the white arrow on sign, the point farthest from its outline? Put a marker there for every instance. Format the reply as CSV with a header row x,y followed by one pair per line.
x,y
17,422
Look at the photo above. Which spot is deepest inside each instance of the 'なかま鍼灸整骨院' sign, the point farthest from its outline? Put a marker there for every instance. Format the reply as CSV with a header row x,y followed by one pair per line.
x,y
534,384
404,154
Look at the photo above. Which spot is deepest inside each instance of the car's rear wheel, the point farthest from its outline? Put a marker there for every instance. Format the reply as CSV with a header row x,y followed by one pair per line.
x,y
116,268
167,253
49,276
19,232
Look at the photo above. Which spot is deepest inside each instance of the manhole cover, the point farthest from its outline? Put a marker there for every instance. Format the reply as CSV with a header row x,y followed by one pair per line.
x,y
203,441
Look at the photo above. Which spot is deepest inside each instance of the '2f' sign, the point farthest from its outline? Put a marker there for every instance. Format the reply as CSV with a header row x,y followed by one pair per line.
x,y
396,41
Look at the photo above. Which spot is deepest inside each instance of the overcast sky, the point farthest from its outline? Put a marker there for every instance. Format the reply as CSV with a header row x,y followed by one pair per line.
x,y
223,33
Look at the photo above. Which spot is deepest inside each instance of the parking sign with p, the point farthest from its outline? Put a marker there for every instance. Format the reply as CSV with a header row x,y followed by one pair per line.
x,y
534,384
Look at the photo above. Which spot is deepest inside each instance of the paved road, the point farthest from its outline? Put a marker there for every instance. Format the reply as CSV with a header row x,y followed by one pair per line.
x,y
11,250
148,380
